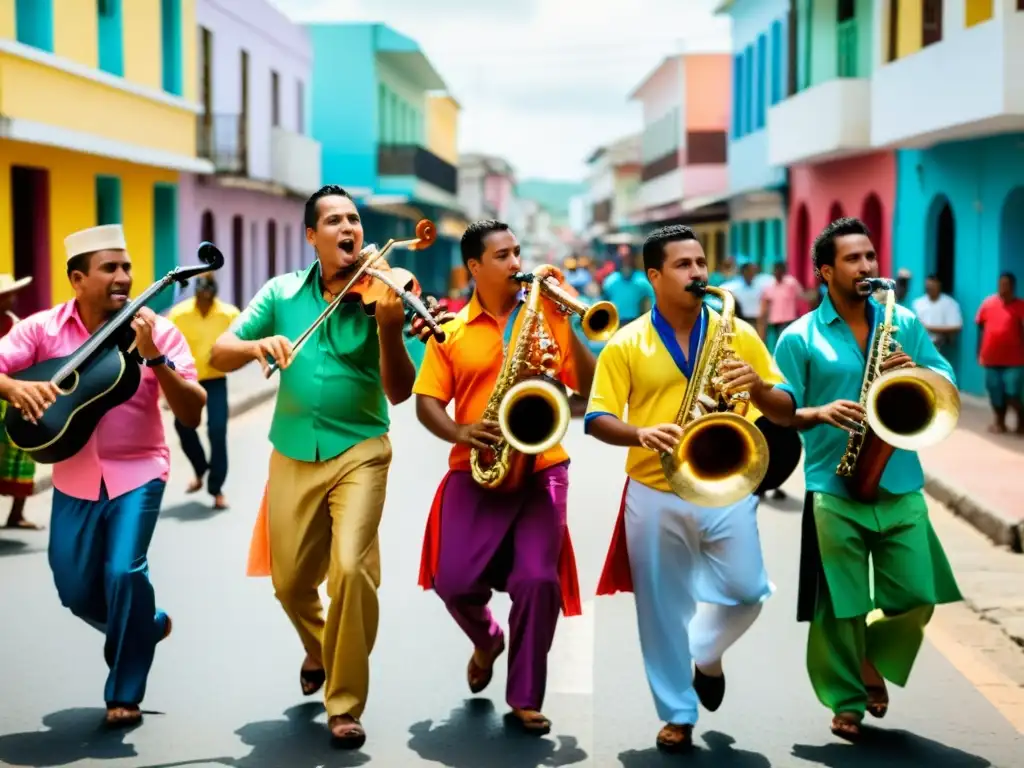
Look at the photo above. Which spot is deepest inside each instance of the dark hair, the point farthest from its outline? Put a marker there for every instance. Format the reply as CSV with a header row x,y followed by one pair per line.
x,y
472,243
1009,276
654,245
934,277
80,263
312,215
823,252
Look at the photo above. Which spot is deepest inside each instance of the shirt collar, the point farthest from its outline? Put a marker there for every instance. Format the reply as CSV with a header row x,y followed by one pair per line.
x,y
474,308
828,314
67,313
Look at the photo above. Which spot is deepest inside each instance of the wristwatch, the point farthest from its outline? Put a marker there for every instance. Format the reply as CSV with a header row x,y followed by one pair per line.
x,y
162,360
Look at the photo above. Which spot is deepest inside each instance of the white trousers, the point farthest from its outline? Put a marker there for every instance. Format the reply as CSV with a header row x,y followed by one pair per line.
x,y
681,555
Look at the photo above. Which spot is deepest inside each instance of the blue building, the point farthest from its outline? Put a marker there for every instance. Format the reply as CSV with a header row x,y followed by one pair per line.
x,y
757,209
372,89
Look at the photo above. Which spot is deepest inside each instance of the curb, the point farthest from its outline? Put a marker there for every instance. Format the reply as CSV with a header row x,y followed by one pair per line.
x,y
236,407
1002,530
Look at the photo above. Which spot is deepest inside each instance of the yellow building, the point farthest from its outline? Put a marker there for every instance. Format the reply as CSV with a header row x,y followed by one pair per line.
x,y
98,119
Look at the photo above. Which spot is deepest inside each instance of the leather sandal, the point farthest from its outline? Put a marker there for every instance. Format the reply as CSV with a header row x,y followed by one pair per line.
x,y
347,732
675,737
531,721
122,715
846,725
311,680
878,701
479,677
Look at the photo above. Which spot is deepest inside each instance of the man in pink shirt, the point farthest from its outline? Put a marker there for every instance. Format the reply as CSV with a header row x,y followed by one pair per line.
x,y
1000,322
106,498
779,305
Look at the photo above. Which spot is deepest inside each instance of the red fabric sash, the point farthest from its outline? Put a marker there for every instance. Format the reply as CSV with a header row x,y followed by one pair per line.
x,y
616,576
567,575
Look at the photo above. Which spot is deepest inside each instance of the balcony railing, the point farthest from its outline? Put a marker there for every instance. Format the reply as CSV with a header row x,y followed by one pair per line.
x,y
414,160
222,140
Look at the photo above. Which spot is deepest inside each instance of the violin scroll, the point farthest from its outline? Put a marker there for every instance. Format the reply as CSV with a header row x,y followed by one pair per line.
x,y
426,235
211,255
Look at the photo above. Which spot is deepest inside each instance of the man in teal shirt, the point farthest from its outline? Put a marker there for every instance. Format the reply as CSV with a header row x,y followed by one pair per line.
x,y
331,451
859,637
629,290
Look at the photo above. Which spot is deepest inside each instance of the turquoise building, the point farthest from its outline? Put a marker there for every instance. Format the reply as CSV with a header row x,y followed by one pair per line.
x,y
757,189
960,215
371,87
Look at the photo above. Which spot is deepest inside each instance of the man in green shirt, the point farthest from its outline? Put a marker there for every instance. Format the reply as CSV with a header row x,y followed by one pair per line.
x,y
863,631
331,451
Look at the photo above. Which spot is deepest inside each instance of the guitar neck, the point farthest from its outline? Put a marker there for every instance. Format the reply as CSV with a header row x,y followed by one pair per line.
x,y
112,326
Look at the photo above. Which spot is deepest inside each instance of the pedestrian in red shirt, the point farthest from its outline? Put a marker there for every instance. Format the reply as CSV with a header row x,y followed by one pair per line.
x,y
1001,351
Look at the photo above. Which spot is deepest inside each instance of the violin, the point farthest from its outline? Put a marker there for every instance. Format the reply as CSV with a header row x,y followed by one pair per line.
x,y
100,375
370,282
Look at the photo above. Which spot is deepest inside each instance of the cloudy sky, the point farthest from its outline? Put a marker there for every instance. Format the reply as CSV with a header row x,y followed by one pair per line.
x,y
541,82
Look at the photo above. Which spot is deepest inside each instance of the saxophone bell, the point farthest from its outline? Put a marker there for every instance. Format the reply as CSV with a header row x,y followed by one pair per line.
x,y
534,415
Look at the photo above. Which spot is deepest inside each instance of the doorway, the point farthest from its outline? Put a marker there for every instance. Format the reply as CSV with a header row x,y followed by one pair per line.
x,y
945,248
1011,237
871,215
30,219
165,239
803,269
271,249
108,200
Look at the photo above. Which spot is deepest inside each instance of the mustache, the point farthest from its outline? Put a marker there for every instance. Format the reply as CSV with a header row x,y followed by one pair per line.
x,y
698,287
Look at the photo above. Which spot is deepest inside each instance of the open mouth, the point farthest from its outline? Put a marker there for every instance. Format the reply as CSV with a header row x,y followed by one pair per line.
x,y
119,295
348,245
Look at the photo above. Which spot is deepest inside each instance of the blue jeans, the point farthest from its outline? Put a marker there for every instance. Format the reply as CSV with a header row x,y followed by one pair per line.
x,y
98,555
1004,384
216,431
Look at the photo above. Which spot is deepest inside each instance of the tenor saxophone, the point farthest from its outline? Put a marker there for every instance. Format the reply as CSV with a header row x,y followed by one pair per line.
x,y
722,456
909,408
529,405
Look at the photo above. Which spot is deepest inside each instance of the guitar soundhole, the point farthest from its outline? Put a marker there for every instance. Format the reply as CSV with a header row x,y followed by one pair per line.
x,y
68,384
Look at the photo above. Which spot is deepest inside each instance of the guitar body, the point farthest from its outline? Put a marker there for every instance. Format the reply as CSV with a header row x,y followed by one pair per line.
x,y
104,382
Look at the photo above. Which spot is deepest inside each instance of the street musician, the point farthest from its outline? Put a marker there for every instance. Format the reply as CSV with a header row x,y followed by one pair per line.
x,y
852,649
513,538
671,551
331,449
106,498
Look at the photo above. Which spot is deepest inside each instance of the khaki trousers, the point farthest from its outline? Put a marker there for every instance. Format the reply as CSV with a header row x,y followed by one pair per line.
x,y
323,519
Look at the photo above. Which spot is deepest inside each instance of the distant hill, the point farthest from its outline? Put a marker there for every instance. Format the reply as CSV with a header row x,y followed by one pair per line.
x,y
553,195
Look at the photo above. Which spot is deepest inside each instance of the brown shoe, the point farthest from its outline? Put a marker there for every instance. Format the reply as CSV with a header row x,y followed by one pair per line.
x,y
123,715
479,674
531,721
675,737
347,732
846,725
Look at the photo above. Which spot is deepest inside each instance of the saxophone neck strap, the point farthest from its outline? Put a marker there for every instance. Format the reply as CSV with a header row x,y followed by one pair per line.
x,y
510,324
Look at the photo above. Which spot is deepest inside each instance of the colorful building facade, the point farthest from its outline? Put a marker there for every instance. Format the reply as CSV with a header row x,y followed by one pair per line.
x,y
613,184
686,105
387,154
99,104
960,192
760,79
822,129
253,83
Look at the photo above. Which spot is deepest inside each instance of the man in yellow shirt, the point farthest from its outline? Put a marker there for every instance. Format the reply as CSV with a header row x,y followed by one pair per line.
x,y
202,320
669,552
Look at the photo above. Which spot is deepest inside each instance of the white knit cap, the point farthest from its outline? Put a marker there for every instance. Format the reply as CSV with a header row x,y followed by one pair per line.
x,y
109,237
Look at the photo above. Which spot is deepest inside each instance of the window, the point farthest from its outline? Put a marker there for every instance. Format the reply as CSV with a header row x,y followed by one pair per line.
x,y
108,200
894,30
749,113
165,239
762,81
978,12
170,41
206,72
792,48
737,96
300,103
275,99
34,23
931,22
778,56
111,39
845,10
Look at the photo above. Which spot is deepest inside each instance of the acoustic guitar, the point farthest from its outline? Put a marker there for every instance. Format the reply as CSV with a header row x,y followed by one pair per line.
x,y
100,375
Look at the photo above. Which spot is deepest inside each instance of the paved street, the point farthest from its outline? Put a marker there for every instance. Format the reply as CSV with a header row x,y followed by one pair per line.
x,y
224,689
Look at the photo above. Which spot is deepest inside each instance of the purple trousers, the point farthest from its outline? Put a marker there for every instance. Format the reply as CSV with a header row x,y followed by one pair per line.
x,y
510,543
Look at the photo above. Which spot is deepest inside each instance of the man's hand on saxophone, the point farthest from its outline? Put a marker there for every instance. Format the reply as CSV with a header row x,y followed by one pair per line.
x,y
897,360
481,434
662,438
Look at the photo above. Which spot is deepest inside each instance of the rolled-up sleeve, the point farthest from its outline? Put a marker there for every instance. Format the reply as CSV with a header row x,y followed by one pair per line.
x,y
791,360
18,348
171,343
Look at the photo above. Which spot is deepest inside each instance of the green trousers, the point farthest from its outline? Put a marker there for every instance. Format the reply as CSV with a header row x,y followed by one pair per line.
x,y
886,571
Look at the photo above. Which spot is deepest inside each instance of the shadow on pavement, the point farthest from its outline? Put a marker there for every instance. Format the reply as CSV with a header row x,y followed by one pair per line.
x,y
888,749
191,512
74,735
9,547
719,753
474,736
297,740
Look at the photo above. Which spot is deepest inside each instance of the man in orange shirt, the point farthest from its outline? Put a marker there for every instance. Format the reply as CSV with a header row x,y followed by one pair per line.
x,y
479,540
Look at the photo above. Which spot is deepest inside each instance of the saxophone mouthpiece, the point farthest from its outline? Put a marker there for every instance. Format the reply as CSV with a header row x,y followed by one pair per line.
x,y
698,287
869,285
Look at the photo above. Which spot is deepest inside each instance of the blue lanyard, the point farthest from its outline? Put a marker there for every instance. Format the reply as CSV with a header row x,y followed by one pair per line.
x,y
667,334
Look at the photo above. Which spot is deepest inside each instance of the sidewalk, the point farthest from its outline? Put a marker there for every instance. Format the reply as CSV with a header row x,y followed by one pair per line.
x,y
980,476
247,389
